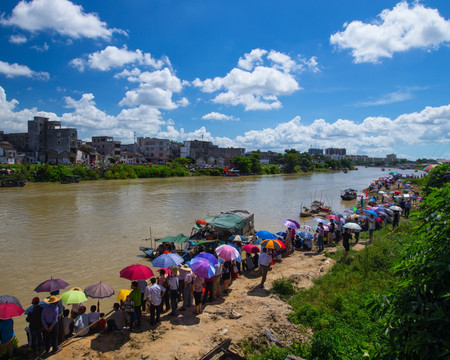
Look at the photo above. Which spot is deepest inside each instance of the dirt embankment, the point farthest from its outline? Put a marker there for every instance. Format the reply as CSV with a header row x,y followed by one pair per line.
x,y
246,313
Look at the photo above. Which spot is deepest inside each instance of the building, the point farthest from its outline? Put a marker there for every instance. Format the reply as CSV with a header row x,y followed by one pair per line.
x,y
205,152
8,154
335,151
18,140
49,142
315,151
391,158
156,150
106,146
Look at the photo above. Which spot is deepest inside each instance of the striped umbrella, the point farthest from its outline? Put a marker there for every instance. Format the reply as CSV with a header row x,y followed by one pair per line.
x,y
273,244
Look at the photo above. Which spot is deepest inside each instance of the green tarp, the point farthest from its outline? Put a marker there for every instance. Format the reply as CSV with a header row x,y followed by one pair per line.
x,y
230,221
179,239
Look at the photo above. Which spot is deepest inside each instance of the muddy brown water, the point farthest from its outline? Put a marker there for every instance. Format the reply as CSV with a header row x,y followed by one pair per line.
x,y
87,232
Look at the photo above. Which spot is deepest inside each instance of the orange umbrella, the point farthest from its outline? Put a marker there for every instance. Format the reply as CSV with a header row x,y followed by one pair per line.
x,y
273,244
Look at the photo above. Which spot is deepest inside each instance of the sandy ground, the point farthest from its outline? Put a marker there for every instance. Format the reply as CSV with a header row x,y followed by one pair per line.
x,y
246,313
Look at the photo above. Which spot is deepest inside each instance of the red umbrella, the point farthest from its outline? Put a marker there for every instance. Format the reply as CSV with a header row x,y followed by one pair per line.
x,y
396,192
136,272
250,248
333,217
9,310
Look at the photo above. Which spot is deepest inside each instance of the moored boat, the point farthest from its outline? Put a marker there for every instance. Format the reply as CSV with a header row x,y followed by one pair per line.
x,y
70,179
12,182
348,194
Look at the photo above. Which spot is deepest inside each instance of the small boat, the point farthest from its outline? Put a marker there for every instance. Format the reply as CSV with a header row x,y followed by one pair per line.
x,y
345,170
12,182
149,252
70,179
383,169
348,194
232,173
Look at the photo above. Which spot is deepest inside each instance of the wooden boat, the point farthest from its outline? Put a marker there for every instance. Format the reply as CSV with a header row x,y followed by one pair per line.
x,y
348,194
345,170
12,182
232,173
316,208
70,179
149,252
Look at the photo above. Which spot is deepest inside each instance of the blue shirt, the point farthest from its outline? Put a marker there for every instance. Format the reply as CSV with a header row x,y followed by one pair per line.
x,y
6,330
49,316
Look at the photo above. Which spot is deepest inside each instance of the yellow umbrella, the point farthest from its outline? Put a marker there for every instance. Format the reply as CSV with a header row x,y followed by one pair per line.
x,y
123,294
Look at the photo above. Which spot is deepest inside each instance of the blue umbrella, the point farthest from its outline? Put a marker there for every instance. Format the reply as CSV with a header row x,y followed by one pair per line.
x,y
321,221
257,241
167,260
281,234
371,212
263,234
209,257
238,238
202,267
305,235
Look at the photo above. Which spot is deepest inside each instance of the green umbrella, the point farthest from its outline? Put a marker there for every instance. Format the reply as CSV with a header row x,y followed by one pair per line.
x,y
73,297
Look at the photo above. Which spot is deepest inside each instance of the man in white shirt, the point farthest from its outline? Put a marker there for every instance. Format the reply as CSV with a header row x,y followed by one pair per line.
x,y
154,294
174,290
263,264
82,322
117,319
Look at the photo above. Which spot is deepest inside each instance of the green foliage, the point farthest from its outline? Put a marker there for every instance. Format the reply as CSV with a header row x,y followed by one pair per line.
x,y
417,312
273,352
435,178
243,164
283,287
182,161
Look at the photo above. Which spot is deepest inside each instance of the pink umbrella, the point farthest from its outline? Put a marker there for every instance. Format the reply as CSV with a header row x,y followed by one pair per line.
x,y
333,217
9,310
136,272
250,248
227,252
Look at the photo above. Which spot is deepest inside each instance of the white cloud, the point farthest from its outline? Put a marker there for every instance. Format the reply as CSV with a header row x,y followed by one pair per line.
x,y
403,28
391,98
219,117
149,96
14,70
159,79
113,57
17,39
42,48
262,77
61,16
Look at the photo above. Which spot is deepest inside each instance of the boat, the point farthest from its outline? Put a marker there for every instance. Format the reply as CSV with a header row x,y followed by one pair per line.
x,y
149,252
12,182
348,194
232,173
345,170
383,169
70,179
317,208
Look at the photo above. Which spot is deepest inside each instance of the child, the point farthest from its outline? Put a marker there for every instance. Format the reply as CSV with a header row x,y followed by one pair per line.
x,y
102,322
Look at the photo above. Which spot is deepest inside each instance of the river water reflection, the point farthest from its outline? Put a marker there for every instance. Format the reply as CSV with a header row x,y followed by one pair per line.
x,y
87,232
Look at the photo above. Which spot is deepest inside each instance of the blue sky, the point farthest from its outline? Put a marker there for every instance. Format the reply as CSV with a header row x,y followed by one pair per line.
x,y
370,76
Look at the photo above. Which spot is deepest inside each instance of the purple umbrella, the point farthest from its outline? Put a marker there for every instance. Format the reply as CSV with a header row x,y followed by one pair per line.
x,y
202,267
9,299
99,291
209,257
51,285
291,224
295,222
321,221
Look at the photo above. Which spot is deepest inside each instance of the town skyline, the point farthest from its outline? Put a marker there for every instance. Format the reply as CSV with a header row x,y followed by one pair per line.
x,y
259,76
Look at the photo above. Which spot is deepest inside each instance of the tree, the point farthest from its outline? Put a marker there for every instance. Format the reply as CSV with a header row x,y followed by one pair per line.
x,y
256,167
243,164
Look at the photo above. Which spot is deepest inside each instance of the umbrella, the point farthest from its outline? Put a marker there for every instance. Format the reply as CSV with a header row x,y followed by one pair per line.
x,y
290,224
305,235
123,294
371,212
321,221
396,192
136,272
9,310
73,297
307,227
238,259
333,217
281,234
227,252
51,285
263,234
238,238
212,259
352,226
337,214
99,291
202,267
167,260
273,244
295,222
381,192
250,248
396,208
9,299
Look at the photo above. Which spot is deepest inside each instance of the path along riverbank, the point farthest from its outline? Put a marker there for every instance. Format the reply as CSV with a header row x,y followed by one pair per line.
x,y
246,313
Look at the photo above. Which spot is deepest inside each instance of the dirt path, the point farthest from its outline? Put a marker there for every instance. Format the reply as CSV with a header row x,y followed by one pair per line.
x,y
246,313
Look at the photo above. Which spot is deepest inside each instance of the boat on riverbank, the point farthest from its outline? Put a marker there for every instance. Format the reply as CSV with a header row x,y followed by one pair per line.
x,y
317,208
70,179
348,194
12,182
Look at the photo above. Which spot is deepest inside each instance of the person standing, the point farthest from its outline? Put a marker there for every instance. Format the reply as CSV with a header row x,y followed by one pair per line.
x,y
135,295
174,291
34,318
162,280
372,225
7,337
154,293
187,293
263,264
49,320
346,236
320,233
407,208
217,292
198,283
396,219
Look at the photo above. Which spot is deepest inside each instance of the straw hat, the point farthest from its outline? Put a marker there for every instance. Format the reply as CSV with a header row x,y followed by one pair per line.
x,y
76,289
52,299
174,271
185,267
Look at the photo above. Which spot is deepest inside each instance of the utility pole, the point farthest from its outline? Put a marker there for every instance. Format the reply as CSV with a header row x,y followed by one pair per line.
x,y
134,137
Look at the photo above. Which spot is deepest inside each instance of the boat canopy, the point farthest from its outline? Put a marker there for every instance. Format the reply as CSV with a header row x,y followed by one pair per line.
x,y
236,222
178,239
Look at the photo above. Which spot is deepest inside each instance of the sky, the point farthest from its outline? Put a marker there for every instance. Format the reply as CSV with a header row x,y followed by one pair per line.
x,y
369,76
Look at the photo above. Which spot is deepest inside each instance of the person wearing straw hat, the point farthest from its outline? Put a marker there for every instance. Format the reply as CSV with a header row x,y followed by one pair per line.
x,y
50,324
187,284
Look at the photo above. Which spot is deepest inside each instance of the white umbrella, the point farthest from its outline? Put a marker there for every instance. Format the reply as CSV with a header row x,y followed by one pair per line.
x,y
352,226
396,208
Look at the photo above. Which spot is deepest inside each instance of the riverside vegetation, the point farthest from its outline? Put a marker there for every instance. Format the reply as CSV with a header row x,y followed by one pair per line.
x,y
290,162
387,301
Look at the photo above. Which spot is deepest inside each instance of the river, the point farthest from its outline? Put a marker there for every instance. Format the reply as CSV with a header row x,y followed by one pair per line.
x,y
87,232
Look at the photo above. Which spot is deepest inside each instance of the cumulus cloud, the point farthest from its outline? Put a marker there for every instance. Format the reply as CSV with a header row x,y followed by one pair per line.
x,y
149,96
114,57
215,116
403,28
17,39
261,77
15,70
61,16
